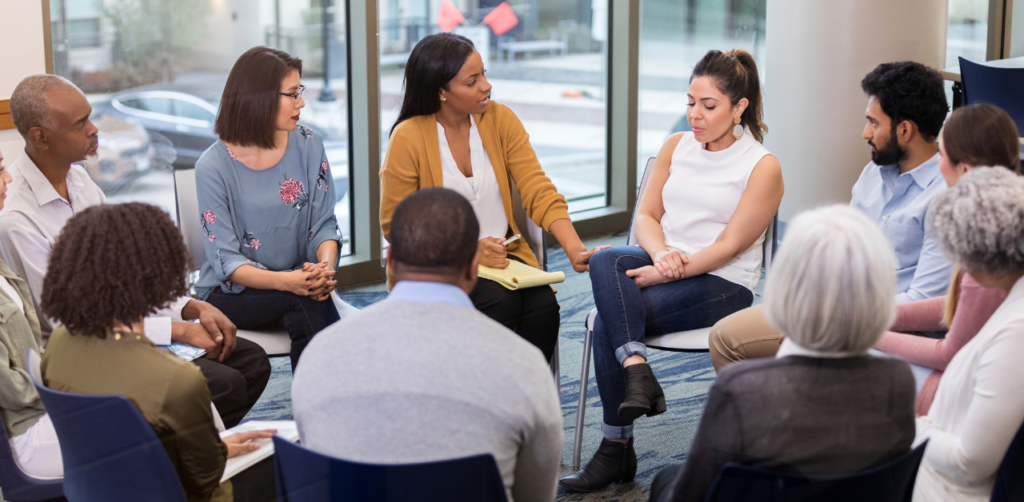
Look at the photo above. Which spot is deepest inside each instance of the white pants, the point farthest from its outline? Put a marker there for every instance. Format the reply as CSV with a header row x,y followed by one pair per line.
x,y
37,451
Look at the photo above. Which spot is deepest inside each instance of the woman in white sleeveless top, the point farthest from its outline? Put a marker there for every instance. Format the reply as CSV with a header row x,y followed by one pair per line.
x,y
700,225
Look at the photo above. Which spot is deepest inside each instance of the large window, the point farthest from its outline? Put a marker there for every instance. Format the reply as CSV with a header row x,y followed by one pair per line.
x,y
674,35
550,68
967,31
154,71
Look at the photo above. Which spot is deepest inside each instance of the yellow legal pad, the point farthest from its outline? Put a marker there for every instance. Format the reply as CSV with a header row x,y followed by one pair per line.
x,y
520,275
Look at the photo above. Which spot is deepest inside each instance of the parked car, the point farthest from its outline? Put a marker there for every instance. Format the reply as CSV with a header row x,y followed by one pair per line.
x,y
185,116
125,152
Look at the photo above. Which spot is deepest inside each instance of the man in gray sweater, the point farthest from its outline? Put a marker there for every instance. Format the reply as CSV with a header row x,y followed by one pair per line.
x,y
423,376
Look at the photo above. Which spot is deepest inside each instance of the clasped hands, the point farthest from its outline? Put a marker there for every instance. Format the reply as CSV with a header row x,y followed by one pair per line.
x,y
315,280
668,266
494,255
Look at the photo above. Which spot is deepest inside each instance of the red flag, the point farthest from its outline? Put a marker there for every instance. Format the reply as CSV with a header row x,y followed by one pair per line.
x,y
450,17
501,19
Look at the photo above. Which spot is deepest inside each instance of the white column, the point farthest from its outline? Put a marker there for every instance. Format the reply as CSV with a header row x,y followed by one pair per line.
x,y
817,53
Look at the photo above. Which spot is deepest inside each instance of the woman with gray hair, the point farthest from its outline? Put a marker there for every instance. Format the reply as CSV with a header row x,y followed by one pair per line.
x,y
823,405
978,406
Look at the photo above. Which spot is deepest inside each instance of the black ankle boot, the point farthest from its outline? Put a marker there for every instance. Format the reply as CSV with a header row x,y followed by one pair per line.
x,y
643,394
613,462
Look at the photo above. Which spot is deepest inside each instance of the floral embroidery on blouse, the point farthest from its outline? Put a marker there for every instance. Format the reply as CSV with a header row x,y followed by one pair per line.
x,y
294,193
208,218
321,177
310,234
250,241
306,132
231,154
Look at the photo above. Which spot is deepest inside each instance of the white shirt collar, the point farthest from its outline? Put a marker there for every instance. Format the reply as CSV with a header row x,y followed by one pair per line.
x,y
40,185
790,348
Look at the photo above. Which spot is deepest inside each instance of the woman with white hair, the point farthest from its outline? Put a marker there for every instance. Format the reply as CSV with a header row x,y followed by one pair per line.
x,y
978,406
823,405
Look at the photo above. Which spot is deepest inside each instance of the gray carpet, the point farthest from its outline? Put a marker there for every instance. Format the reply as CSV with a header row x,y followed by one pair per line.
x,y
660,440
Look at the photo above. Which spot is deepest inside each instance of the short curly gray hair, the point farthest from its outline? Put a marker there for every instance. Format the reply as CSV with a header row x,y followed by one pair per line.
x,y
980,221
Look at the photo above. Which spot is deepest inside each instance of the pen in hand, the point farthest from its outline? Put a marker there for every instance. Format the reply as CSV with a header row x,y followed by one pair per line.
x,y
510,240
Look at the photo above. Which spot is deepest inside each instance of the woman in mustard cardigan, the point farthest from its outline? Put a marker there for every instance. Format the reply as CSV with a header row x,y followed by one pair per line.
x,y
450,134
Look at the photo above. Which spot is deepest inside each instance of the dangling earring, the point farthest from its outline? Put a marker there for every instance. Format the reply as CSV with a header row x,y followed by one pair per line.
x,y
737,130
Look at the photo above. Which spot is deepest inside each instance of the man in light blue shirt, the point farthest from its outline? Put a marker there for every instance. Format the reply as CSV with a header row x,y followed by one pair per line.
x,y
423,376
906,109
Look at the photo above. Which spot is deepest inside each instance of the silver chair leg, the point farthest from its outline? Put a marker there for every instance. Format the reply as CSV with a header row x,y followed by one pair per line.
x,y
581,408
556,370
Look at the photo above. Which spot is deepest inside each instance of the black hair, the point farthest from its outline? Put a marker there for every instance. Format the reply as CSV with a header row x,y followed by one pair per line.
x,y
907,90
434,62
735,75
434,230
251,99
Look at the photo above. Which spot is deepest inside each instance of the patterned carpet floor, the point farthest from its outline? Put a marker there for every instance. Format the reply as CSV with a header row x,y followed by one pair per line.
x,y
661,440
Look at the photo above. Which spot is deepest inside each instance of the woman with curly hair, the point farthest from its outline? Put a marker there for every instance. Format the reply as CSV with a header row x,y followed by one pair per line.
x,y
266,196
978,407
101,347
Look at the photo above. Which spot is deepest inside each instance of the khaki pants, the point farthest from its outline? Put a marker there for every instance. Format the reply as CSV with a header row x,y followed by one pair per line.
x,y
741,336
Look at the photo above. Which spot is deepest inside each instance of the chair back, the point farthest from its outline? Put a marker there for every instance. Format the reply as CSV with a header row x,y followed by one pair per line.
x,y
16,485
307,476
1009,481
186,200
110,452
535,236
891,482
1002,87
770,238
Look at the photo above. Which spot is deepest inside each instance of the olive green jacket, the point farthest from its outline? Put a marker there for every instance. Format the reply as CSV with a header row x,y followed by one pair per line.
x,y
20,405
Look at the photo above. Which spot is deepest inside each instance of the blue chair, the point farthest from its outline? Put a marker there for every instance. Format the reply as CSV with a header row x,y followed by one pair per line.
x,y
1009,485
304,475
1002,87
891,482
18,486
110,452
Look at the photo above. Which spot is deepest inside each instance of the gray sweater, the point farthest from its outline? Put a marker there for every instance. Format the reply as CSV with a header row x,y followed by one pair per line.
x,y
799,414
404,382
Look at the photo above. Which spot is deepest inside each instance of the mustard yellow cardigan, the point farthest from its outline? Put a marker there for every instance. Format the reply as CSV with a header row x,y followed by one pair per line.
x,y
413,161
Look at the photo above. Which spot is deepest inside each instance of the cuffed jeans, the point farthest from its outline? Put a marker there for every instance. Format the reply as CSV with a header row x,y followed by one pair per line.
x,y
626,314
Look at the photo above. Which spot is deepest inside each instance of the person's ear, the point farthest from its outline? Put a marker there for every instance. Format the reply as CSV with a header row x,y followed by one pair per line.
x,y
37,136
964,168
389,260
741,106
905,131
471,272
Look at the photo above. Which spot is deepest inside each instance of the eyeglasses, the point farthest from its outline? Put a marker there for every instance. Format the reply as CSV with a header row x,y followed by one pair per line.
x,y
297,95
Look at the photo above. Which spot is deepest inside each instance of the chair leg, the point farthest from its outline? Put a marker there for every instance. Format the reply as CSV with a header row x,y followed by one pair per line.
x,y
581,408
556,370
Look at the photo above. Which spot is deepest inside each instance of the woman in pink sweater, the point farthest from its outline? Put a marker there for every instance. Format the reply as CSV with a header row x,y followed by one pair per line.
x,y
974,135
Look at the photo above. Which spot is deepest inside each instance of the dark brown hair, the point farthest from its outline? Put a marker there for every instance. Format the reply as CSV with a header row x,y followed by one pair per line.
x,y
434,230
735,75
434,62
251,99
981,135
114,262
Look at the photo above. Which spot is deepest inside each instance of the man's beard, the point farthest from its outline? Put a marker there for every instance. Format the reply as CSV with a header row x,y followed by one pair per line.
x,y
889,154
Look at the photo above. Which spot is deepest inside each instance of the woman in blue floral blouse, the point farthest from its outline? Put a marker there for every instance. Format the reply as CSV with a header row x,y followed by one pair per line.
x,y
266,200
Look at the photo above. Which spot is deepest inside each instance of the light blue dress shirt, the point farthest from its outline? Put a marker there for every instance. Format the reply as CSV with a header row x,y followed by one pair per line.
x,y
430,292
899,203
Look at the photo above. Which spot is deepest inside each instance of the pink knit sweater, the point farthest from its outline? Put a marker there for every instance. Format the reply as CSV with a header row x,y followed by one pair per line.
x,y
975,305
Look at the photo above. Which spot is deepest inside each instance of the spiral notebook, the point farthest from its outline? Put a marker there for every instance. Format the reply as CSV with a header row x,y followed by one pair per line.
x,y
520,275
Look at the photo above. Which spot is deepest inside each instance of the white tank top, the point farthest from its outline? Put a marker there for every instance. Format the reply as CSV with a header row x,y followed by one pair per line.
x,y
482,189
700,196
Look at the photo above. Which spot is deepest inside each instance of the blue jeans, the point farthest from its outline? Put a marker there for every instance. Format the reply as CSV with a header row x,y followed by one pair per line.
x,y
626,314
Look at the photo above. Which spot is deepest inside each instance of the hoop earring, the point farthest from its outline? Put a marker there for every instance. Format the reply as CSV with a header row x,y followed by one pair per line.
x,y
737,130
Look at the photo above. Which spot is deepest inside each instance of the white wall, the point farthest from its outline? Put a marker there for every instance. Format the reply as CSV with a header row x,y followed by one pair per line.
x,y
817,53
22,53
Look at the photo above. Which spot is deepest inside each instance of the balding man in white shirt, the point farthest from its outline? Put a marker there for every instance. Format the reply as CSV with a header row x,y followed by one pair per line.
x,y
47,189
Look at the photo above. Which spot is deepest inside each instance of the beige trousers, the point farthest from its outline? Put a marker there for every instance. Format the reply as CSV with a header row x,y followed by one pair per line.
x,y
741,336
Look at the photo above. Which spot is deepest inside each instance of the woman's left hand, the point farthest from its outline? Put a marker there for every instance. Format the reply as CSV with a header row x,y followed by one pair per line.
x,y
647,276
581,261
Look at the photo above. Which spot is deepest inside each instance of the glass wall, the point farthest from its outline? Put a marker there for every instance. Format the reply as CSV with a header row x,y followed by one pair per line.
x,y
674,36
549,67
967,31
154,71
